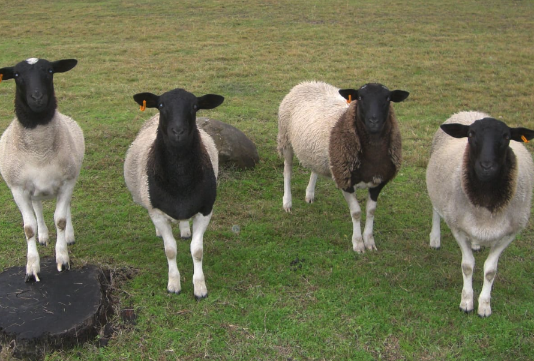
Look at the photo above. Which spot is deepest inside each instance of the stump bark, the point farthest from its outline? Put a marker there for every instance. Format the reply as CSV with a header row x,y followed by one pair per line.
x,y
64,309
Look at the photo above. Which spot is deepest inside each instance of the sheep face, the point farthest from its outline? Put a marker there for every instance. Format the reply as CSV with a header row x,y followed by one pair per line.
x,y
34,82
178,110
489,141
373,104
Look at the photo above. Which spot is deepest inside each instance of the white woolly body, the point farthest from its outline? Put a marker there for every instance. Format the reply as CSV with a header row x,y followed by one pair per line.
x,y
444,183
42,159
137,157
306,117
474,226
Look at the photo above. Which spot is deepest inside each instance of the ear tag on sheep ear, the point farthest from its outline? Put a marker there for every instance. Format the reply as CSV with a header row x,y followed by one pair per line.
x,y
524,139
350,99
143,107
1,76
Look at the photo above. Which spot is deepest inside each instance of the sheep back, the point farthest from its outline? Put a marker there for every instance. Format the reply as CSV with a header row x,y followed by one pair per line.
x,y
58,145
306,118
444,178
135,165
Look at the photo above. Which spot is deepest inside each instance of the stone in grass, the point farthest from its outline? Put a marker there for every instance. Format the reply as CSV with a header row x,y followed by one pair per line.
x,y
235,148
62,310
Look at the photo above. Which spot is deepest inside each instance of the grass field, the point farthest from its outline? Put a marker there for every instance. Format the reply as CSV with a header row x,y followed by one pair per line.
x,y
287,286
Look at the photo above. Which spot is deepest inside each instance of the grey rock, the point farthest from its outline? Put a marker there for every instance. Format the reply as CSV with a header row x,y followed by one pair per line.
x,y
235,148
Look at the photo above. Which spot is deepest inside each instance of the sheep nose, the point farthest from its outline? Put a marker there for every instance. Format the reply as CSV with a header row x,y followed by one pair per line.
x,y
486,165
37,95
177,131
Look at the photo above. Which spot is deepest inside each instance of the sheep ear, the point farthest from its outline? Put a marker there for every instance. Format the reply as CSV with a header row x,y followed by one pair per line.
x,y
151,99
62,66
7,73
345,93
521,134
210,101
455,130
398,96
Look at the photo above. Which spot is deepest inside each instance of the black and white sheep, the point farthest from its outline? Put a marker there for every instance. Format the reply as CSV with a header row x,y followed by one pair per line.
x,y
41,154
480,183
171,169
357,144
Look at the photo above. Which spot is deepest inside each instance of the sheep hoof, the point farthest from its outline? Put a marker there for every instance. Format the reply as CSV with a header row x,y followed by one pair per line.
x,y
201,297
174,292
466,310
63,266
70,243
32,278
437,248
43,242
310,199
287,209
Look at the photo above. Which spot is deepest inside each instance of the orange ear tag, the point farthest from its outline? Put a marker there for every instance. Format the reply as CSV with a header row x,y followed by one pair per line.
x,y
143,107
1,76
350,99
524,139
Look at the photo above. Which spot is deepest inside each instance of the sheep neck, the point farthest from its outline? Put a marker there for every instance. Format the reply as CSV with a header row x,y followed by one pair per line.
x,y
181,182
28,118
495,194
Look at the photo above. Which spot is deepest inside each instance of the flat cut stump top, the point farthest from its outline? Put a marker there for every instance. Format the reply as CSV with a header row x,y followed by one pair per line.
x,y
64,309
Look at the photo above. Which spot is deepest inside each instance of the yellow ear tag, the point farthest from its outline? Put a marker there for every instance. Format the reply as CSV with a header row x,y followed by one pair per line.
x,y
524,139
143,107
350,99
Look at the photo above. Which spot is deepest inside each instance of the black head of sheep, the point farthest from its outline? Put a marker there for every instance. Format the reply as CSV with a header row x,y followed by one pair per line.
x,y
178,110
373,104
35,101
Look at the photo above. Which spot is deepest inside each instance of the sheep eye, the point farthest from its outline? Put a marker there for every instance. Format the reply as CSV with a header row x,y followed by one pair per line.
x,y
50,71
507,137
471,134
359,97
195,107
160,105
16,75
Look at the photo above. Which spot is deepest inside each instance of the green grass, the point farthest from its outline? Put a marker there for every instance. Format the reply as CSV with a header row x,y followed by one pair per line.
x,y
288,286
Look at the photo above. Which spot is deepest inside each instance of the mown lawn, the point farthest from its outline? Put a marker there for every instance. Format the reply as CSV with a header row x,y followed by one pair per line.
x,y
287,286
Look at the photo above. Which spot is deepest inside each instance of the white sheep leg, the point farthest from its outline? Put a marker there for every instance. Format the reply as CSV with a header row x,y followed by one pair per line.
x,y
164,228
310,189
200,224
60,218
42,229
23,201
356,214
288,167
468,267
435,236
490,271
69,231
368,238
185,231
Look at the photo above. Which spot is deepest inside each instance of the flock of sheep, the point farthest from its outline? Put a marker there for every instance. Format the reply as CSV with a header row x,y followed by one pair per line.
x,y
481,186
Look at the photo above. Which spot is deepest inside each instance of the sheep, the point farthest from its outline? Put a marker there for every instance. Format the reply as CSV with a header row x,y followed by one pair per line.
x,y
41,155
171,169
357,144
482,188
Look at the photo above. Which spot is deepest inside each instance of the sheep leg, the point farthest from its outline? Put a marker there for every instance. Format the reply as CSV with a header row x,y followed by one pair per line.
x,y
368,238
200,224
42,229
435,234
60,219
23,201
356,213
468,266
310,189
69,231
288,167
185,231
490,270
164,228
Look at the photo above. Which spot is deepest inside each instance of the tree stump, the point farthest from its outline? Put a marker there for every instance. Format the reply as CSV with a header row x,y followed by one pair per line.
x,y
64,309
